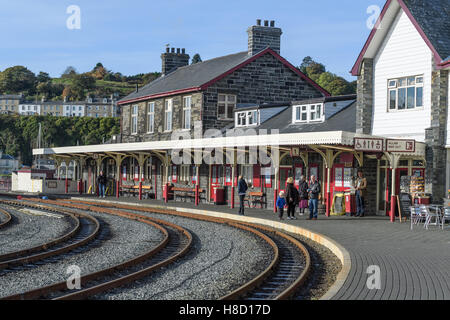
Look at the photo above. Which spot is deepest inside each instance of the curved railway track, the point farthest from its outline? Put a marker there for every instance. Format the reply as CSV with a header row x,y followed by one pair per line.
x,y
286,273
85,230
8,218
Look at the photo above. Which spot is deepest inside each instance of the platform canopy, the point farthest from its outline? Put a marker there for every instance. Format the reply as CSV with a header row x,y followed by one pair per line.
x,y
327,138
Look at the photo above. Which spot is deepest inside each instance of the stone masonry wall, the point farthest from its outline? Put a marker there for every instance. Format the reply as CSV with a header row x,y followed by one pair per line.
x,y
364,103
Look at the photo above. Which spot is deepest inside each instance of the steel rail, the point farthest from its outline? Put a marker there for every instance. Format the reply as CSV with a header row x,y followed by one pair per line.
x,y
42,251
8,218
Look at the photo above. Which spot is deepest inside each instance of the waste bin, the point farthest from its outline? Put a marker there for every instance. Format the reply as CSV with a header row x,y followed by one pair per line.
x,y
350,203
219,195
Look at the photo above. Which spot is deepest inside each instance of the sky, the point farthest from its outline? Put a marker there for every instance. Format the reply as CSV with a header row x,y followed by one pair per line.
x,y
129,36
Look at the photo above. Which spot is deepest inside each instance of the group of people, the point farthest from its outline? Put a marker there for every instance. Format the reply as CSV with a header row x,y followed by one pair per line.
x,y
306,196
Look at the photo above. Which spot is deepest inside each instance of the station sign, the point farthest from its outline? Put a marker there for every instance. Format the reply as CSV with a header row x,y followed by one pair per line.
x,y
399,145
295,152
369,144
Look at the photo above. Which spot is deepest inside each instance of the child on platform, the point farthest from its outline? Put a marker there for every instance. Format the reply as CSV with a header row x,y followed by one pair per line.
x,y
281,203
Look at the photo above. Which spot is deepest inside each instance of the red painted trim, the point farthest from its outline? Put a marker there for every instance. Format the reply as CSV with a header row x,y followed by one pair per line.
x,y
439,65
211,82
159,95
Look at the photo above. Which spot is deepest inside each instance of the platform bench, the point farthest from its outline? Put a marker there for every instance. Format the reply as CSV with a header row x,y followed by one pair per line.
x,y
255,198
186,193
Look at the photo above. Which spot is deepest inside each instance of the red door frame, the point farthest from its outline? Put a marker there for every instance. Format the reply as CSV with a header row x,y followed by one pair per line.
x,y
397,179
287,176
215,168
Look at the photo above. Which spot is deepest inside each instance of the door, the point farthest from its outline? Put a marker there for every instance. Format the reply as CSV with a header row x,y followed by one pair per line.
x,y
399,184
285,173
297,174
216,177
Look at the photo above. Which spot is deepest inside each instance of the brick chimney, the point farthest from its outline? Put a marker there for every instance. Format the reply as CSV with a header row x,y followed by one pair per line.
x,y
263,36
172,60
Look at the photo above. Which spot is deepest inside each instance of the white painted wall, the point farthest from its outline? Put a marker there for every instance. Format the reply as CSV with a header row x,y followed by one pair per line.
x,y
403,53
448,115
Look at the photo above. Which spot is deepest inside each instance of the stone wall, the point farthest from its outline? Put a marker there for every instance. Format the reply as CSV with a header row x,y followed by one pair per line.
x,y
265,80
435,137
364,103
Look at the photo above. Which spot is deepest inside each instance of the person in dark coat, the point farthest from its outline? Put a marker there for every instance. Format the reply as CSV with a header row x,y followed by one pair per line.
x,y
101,180
303,192
292,198
242,190
314,191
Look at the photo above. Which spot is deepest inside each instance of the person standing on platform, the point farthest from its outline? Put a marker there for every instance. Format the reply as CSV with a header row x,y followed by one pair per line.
x,y
292,198
360,186
242,190
303,191
101,180
314,191
281,203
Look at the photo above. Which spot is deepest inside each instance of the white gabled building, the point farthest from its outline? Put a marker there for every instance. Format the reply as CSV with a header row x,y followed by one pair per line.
x,y
403,83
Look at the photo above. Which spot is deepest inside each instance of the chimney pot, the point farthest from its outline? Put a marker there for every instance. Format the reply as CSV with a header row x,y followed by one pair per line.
x,y
272,23
258,22
167,49
172,50
178,50
183,51
266,23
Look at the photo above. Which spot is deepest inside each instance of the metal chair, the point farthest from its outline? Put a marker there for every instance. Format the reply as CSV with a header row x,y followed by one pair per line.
x,y
445,216
415,215
430,215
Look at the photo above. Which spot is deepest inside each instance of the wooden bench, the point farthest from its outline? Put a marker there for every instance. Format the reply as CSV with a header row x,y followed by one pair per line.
x,y
133,190
255,198
186,193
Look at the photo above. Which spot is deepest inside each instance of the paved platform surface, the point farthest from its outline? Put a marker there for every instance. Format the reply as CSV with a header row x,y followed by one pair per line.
x,y
413,264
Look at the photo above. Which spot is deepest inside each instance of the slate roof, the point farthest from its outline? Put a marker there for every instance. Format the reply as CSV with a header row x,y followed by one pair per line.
x,y
433,17
344,120
190,76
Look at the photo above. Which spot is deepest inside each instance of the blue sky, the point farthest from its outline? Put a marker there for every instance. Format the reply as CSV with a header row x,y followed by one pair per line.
x,y
129,36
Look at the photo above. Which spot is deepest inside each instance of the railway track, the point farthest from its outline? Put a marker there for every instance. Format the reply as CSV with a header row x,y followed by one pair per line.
x,y
7,220
85,229
286,273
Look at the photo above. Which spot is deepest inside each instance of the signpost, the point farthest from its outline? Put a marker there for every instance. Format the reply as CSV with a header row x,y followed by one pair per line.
x,y
398,145
369,144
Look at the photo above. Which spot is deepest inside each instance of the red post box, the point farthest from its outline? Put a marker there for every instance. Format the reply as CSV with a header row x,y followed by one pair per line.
x,y
167,192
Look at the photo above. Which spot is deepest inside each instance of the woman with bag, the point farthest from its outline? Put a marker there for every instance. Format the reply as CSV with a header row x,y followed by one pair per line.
x,y
303,191
292,198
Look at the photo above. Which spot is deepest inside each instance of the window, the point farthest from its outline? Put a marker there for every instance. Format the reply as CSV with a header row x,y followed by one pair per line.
x,y
247,173
405,93
187,113
168,115
134,119
307,113
185,173
174,174
151,117
246,118
225,106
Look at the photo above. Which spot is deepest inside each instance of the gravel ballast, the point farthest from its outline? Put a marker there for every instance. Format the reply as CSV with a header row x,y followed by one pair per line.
x,y
27,230
222,259
125,239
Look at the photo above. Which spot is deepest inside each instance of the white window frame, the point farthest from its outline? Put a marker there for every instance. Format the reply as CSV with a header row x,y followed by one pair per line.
x,y
150,117
228,101
246,116
168,111
187,107
391,87
308,109
134,118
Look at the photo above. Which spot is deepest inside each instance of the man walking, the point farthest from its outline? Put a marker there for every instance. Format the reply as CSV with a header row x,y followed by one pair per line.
x,y
101,180
360,186
242,190
314,191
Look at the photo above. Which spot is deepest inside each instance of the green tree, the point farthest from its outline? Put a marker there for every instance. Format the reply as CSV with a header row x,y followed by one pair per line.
x,y
82,84
69,72
43,77
17,79
196,59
